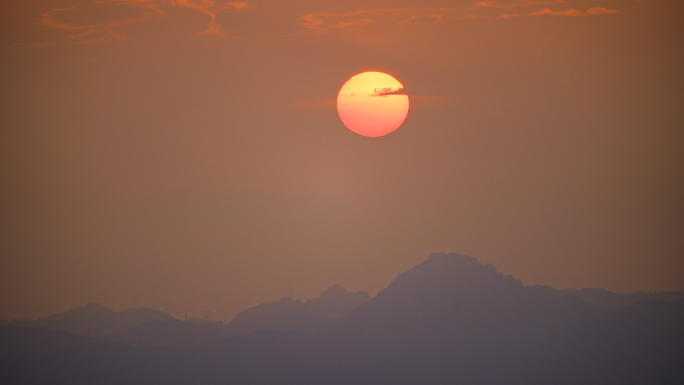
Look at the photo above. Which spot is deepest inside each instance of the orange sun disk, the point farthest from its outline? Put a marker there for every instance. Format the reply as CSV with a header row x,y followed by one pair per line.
x,y
369,104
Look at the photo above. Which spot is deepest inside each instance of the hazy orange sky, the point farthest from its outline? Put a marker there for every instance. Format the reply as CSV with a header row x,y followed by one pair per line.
x,y
191,152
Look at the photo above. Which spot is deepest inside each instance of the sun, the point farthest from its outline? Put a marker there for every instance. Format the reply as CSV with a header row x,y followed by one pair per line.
x,y
369,104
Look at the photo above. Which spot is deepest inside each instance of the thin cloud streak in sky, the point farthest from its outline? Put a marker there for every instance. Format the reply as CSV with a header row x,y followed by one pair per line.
x,y
353,23
48,19
573,12
421,19
315,23
211,8
384,92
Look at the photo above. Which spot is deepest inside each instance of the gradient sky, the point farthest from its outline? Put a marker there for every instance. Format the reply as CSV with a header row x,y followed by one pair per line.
x,y
191,152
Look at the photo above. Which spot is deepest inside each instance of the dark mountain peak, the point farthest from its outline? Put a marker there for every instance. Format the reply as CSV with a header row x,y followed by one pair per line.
x,y
94,306
456,296
452,257
333,290
289,300
91,308
337,292
336,301
451,271
456,264
294,315
144,311
286,304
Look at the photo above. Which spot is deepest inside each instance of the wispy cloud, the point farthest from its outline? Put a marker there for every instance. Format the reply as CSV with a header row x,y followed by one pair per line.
x,y
599,11
573,12
84,32
211,8
91,33
322,22
386,91
492,4
110,30
352,23
422,19
51,19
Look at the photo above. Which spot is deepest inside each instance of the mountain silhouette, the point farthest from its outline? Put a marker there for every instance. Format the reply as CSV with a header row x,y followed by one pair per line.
x,y
448,320
94,320
284,315
295,315
333,302
455,298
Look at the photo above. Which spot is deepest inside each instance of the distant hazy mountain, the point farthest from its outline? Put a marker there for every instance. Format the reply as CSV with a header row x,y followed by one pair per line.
x,y
333,302
616,301
284,315
295,315
455,298
95,320
449,320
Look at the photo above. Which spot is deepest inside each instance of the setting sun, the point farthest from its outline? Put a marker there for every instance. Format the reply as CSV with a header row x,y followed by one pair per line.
x,y
369,104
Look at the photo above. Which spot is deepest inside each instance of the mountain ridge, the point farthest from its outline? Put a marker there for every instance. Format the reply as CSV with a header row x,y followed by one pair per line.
x,y
450,319
463,298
